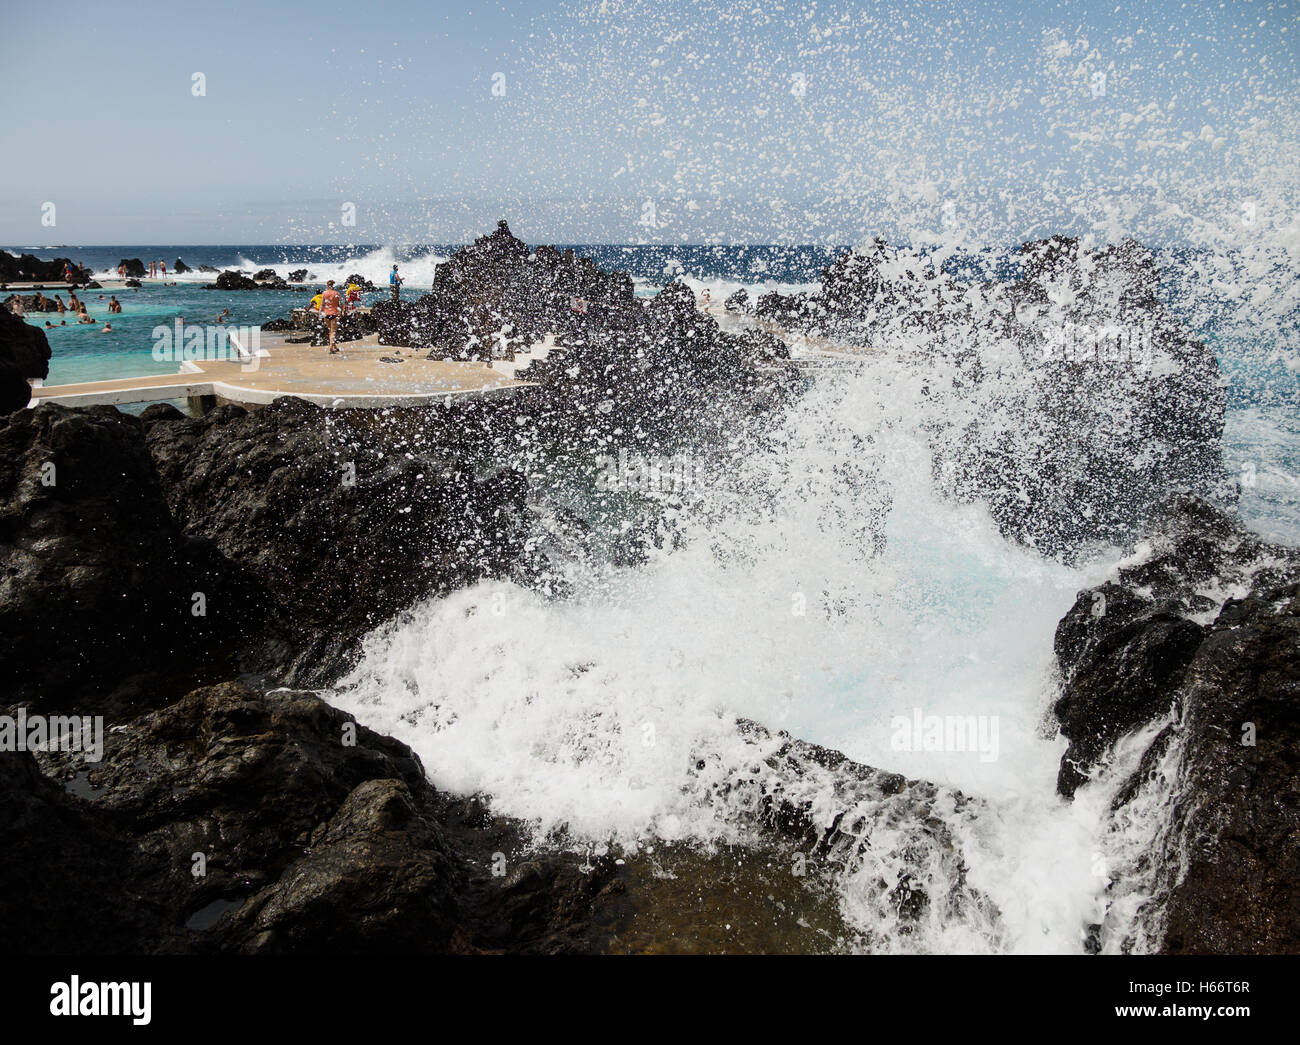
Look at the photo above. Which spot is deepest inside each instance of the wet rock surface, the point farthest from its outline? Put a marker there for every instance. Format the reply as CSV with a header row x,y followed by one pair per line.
x,y
1074,405
274,539
344,519
662,369
496,296
249,822
240,821
1204,633
233,279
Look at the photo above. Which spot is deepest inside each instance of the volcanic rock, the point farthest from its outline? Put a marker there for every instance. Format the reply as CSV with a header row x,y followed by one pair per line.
x,y
97,582
1212,680
24,354
233,279
1070,401
738,302
239,821
343,521
27,268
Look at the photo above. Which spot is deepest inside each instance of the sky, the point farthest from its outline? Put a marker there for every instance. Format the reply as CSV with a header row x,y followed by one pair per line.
x,y
634,121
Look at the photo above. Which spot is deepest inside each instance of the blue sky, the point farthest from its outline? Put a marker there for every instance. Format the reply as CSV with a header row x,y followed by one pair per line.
x,y
761,122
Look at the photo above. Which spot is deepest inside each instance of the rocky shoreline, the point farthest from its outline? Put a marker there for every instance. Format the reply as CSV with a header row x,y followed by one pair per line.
x,y
1199,642
235,811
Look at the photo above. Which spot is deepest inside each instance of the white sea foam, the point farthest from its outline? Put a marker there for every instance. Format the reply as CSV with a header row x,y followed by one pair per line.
x,y
588,716
374,266
829,589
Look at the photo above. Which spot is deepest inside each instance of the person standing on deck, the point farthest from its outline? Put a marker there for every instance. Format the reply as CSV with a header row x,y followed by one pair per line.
x,y
331,304
395,284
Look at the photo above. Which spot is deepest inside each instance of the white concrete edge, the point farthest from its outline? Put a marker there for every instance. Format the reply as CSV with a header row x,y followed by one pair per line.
x,y
264,397
358,400
121,396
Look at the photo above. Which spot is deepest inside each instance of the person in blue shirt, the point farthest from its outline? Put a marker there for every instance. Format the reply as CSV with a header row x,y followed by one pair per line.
x,y
395,283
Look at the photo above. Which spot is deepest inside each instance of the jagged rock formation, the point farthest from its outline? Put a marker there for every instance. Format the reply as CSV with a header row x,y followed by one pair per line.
x,y
24,354
1071,401
27,268
1203,637
97,581
738,302
344,522
661,373
496,297
165,544
238,821
233,279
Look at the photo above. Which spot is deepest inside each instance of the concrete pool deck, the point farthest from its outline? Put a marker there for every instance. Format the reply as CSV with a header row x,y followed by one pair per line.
x,y
357,378
368,375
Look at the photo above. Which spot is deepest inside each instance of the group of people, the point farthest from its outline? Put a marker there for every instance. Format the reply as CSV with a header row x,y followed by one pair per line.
x,y
333,304
157,270
75,305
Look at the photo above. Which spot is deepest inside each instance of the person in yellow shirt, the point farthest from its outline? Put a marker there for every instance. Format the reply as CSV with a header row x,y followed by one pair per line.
x,y
315,303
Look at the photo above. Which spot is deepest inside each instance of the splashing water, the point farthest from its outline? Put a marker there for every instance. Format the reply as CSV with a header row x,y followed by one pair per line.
x,y
831,592
835,588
